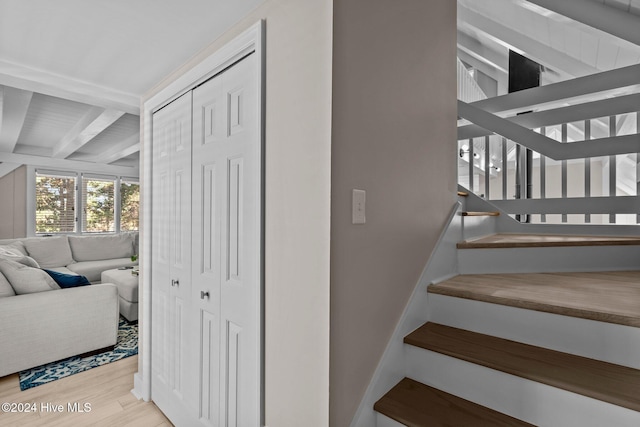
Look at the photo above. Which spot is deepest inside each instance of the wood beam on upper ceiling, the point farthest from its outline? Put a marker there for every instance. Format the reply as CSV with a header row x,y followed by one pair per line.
x,y
91,125
14,104
38,81
533,49
65,164
616,22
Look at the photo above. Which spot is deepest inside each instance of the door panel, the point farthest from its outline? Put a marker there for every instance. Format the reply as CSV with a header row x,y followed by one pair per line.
x,y
226,166
171,372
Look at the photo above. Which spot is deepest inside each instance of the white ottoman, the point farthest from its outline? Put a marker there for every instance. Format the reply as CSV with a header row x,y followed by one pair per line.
x,y
127,285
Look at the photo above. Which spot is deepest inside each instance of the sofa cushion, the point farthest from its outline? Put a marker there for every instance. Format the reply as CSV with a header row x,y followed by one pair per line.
x,y
14,244
93,269
10,252
26,280
5,287
95,248
50,251
67,280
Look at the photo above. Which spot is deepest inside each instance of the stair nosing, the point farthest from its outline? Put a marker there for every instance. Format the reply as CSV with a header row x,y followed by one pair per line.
x,y
586,375
603,241
480,213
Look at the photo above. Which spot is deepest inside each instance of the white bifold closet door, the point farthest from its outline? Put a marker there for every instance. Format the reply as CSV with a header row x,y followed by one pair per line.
x,y
227,245
210,341
173,377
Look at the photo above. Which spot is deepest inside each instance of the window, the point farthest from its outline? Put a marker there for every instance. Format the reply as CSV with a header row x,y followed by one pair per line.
x,y
98,205
55,204
129,205
108,204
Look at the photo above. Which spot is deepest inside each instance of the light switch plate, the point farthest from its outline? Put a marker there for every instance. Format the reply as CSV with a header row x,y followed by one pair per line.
x,y
358,202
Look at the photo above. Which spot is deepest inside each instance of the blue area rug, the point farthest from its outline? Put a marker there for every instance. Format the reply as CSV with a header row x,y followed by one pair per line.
x,y
126,346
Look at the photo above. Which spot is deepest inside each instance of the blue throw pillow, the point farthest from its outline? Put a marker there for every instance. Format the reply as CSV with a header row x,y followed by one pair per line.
x,y
68,280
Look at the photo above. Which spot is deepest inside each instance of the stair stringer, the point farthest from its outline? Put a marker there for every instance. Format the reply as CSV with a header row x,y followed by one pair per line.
x,y
442,264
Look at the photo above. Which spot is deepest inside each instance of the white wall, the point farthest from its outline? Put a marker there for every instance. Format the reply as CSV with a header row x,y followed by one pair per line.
x,y
298,164
13,209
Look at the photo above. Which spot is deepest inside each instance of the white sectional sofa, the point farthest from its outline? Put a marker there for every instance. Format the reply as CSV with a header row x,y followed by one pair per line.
x,y
39,321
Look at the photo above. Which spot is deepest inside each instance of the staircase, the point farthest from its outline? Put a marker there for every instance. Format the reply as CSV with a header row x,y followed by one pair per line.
x,y
538,329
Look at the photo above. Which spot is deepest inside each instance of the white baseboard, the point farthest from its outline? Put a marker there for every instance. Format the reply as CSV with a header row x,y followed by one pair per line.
x,y
139,389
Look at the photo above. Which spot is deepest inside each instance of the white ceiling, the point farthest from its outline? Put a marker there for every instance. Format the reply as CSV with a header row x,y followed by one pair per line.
x,y
72,72
562,42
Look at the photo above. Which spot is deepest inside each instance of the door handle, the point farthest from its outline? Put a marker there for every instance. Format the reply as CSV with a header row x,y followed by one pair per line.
x,y
175,282
204,294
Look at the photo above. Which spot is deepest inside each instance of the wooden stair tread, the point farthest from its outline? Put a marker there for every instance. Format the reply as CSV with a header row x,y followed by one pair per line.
x,y
415,404
463,194
471,213
604,381
508,240
612,297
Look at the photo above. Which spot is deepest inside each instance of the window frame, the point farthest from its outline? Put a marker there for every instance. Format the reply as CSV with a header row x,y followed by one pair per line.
x,y
78,176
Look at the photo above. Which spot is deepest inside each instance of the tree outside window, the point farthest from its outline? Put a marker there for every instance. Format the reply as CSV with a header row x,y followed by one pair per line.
x,y
55,204
98,205
129,205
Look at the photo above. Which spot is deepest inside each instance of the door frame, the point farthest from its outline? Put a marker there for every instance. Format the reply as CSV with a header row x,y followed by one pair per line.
x,y
251,40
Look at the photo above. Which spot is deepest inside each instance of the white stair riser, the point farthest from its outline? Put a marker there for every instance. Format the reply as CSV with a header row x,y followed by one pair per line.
x,y
609,342
529,401
384,421
478,226
548,260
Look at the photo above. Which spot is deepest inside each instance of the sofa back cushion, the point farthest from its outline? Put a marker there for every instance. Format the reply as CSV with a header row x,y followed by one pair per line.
x,y
106,246
26,280
12,253
5,287
49,251
14,244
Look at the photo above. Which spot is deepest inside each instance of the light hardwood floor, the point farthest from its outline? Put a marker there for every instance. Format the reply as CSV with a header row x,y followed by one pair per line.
x,y
107,389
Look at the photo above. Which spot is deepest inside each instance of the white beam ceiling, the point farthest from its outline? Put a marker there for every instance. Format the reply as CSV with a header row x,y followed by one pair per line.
x,y
14,105
483,53
65,164
46,83
92,124
115,152
611,20
539,52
